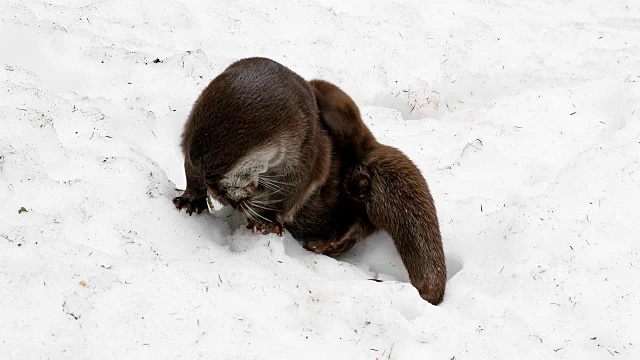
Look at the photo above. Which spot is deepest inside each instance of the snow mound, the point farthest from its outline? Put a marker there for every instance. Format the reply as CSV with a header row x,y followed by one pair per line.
x,y
523,118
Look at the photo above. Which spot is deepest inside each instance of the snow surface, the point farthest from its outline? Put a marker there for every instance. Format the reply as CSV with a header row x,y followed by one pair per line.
x,y
523,116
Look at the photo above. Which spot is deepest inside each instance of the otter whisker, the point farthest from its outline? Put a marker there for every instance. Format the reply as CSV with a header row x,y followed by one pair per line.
x,y
244,210
273,187
272,176
255,213
267,202
268,182
262,207
275,181
267,185
261,196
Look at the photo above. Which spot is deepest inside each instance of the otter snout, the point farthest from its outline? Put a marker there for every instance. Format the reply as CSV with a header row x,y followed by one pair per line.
x,y
233,195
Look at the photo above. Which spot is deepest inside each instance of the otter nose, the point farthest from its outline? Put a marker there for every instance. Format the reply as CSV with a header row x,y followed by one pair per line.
x,y
233,203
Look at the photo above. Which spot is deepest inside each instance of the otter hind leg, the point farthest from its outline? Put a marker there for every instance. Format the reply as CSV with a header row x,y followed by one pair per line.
x,y
332,248
341,243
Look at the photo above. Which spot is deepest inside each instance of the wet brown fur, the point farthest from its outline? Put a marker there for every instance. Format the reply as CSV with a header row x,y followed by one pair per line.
x,y
343,184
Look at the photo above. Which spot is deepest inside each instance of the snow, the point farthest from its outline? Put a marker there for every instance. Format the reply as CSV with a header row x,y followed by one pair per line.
x,y
523,117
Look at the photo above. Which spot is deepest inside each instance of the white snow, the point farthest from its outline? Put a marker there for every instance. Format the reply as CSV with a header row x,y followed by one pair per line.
x,y
524,117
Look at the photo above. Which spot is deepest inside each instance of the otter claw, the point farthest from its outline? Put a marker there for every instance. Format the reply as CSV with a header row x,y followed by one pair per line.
x,y
278,229
190,204
265,228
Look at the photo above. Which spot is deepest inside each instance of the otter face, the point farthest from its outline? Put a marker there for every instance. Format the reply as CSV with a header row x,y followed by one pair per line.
x,y
252,185
234,189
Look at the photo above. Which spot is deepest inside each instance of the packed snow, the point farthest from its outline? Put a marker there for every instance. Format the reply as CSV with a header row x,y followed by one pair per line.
x,y
524,117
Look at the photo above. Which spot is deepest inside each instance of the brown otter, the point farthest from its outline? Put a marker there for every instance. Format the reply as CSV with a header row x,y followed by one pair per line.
x,y
296,154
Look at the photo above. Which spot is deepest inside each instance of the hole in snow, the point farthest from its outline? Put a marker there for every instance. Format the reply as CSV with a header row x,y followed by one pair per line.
x,y
412,104
454,265
379,255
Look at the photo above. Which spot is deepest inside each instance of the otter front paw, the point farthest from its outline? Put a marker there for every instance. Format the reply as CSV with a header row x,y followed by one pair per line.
x,y
191,203
266,228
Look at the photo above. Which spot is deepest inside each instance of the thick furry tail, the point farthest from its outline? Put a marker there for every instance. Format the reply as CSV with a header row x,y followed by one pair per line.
x,y
400,203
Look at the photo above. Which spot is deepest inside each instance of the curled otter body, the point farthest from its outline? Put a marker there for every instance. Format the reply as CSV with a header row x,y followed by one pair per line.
x,y
293,153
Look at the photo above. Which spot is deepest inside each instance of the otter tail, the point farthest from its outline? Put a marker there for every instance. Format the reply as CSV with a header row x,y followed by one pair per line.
x,y
400,203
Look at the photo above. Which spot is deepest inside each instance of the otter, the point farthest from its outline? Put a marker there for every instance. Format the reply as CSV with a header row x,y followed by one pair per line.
x,y
296,155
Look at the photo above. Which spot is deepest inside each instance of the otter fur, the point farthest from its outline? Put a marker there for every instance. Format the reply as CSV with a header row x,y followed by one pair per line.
x,y
296,155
